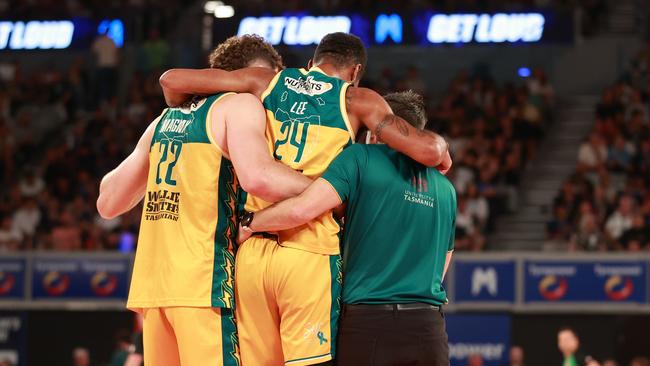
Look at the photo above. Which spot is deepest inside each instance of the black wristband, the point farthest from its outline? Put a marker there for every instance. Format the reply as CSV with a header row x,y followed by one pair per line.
x,y
246,218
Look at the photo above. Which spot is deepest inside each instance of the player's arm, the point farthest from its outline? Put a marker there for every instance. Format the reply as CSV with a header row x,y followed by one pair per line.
x,y
317,199
452,235
179,85
123,187
373,111
134,359
336,185
258,173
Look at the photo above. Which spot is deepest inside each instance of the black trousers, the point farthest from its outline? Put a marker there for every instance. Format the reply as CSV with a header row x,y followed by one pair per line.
x,y
371,335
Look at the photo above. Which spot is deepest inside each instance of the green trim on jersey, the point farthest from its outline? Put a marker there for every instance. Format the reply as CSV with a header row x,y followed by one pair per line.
x,y
175,123
225,238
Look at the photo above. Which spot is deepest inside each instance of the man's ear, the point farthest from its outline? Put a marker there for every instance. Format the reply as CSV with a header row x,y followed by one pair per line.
x,y
310,63
356,74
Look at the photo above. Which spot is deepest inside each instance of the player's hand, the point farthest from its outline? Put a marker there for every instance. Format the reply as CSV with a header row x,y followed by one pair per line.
x,y
445,164
242,235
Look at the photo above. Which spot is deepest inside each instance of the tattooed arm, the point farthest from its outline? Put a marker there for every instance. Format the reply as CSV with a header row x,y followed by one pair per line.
x,y
367,107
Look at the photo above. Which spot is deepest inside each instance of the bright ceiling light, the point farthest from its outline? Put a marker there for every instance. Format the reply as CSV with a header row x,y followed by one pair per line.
x,y
224,11
218,9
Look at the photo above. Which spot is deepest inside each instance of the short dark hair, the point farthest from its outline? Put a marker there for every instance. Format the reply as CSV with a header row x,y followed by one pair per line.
x,y
238,52
567,329
409,106
342,49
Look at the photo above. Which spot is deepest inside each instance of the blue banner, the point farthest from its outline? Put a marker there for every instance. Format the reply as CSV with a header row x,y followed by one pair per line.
x,y
95,279
485,335
484,281
12,278
593,281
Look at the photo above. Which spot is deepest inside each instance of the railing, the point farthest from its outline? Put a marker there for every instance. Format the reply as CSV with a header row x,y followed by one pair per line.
x,y
505,282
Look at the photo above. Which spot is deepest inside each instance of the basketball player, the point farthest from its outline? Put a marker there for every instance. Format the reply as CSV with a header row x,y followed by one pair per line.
x,y
184,165
399,239
288,294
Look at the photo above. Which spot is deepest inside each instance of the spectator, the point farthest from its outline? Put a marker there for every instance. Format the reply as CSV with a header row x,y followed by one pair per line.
x,y
592,153
589,237
27,218
475,360
610,362
639,232
106,58
413,81
619,157
122,348
466,171
640,361
516,356
156,52
569,345
135,357
621,219
80,357
477,206
31,184
10,236
539,87
66,235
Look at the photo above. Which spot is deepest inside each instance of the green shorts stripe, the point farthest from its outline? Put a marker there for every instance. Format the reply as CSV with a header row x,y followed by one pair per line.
x,y
229,340
335,310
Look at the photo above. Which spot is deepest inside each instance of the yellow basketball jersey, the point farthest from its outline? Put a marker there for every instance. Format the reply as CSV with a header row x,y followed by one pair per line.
x,y
186,247
307,127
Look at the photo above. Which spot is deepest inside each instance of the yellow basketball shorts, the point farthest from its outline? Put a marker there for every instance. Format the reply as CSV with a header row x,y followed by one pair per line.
x,y
189,336
288,304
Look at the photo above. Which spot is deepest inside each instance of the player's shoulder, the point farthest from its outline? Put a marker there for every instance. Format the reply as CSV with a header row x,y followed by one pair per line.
x,y
358,93
356,149
442,181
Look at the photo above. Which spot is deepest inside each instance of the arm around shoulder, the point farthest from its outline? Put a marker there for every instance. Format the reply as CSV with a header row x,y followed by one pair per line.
x,y
373,111
180,84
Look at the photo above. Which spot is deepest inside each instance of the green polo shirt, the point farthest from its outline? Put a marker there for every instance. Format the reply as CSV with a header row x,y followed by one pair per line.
x,y
399,226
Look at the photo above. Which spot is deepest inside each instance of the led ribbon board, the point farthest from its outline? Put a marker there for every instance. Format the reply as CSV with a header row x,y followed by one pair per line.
x,y
294,30
57,34
425,28
485,28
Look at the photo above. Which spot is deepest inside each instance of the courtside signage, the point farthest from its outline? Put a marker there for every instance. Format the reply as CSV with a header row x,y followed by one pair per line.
x,y
597,282
12,278
485,335
95,279
484,281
